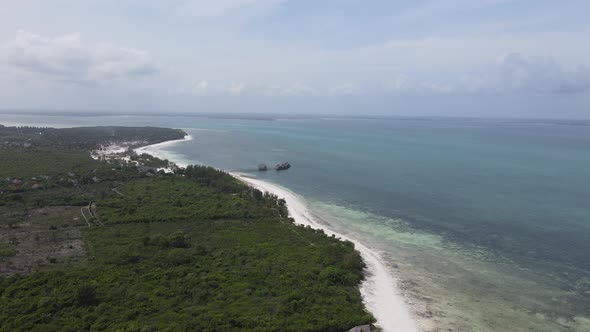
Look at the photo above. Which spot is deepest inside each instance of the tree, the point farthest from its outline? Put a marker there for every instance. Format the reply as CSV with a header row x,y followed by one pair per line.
x,y
86,295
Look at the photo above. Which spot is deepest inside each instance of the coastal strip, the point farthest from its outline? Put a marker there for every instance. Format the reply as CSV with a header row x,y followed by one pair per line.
x,y
379,290
156,150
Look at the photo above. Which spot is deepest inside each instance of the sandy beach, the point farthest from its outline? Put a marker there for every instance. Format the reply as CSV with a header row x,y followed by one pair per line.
x,y
156,150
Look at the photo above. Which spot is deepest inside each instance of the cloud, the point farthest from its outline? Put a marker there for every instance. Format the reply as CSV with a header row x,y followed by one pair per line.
x,y
510,73
347,89
67,59
201,88
515,72
205,88
406,84
236,89
296,89
208,8
436,8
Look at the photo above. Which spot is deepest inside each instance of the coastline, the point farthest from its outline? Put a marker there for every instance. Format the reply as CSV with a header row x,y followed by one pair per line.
x,y
155,150
379,290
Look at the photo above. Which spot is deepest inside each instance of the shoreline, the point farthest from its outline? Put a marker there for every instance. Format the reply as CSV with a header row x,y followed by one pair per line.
x,y
379,289
154,150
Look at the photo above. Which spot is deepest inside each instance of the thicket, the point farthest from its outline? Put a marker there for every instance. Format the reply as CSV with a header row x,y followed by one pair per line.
x,y
191,251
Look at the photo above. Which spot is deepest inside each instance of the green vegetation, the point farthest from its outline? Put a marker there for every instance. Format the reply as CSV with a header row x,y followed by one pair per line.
x,y
102,246
173,198
85,138
261,275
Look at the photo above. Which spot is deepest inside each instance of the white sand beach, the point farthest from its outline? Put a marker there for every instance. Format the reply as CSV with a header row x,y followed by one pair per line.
x,y
156,150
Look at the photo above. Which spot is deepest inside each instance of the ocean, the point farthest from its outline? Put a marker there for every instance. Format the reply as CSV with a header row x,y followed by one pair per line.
x,y
485,222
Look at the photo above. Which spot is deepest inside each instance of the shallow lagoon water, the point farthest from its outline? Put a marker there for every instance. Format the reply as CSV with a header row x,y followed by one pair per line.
x,y
486,222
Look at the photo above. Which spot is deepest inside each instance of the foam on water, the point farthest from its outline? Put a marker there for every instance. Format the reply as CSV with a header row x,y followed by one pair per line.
x,y
456,287
161,151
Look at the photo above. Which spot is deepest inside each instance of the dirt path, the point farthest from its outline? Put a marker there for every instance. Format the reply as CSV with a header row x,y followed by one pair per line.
x,y
83,215
95,220
95,217
118,192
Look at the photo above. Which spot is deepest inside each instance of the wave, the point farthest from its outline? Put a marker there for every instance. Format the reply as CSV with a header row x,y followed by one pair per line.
x,y
158,150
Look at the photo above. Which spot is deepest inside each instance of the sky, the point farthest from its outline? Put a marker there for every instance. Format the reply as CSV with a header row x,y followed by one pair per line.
x,y
480,58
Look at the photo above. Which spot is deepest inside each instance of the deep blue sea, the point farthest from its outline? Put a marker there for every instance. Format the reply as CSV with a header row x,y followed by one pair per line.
x,y
485,222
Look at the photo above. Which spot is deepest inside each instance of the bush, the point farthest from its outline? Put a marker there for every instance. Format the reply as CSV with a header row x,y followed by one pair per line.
x,y
336,276
86,296
178,256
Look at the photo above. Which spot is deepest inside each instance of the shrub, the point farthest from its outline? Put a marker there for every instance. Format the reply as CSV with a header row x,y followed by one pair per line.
x,y
86,296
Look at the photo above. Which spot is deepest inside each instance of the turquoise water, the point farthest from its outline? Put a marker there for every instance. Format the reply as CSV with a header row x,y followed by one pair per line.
x,y
486,222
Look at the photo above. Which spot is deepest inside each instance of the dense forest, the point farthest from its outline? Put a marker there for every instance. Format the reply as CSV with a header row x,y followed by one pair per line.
x,y
90,245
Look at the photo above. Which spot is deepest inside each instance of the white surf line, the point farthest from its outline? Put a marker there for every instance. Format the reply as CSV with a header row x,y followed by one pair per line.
x,y
379,290
154,149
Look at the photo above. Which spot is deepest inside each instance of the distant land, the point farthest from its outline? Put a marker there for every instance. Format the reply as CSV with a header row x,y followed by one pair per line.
x,y
289,116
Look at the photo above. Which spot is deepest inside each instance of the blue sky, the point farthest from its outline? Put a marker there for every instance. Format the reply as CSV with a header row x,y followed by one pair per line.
x,y
491,58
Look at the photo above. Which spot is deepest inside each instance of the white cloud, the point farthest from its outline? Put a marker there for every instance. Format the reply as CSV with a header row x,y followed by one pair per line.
x,y
210,8
347,89
435,8
201,88
510,73
515,72
297,89
407,84
236,88
67,59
